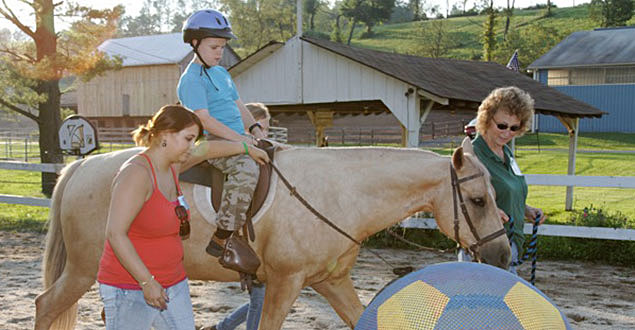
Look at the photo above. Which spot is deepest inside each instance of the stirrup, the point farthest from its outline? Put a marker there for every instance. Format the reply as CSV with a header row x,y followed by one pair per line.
x,y
214,248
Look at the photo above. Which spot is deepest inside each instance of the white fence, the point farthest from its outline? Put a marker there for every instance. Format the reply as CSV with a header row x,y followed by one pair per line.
x,y
33,201
560,230
425,223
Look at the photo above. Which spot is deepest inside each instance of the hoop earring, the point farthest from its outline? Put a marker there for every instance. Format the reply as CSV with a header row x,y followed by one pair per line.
x,y
164,144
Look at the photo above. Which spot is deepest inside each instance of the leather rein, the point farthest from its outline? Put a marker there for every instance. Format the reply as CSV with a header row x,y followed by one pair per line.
x,y
458,196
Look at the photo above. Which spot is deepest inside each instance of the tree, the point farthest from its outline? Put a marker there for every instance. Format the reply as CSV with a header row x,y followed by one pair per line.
x,y
489,38
509,12
611,12
310,9
417,9
432,39
31,69
256,22
531,42
370,12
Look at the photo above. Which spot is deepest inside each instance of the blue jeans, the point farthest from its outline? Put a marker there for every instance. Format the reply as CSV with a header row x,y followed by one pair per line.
x,y
464,256
250,311
127,309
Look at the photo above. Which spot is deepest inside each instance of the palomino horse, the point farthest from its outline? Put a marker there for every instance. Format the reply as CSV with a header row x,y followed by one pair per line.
x,y
361,190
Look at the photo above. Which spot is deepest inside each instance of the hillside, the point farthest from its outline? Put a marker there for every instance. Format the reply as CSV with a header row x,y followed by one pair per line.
x,y
466,32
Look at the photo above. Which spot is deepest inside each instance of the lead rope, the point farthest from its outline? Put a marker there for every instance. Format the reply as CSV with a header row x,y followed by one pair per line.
x,y
532,249
294,192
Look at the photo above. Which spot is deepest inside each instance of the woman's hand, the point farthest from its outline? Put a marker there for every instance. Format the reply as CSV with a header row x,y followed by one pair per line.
x,y
259,155
503,215
155,295
532,213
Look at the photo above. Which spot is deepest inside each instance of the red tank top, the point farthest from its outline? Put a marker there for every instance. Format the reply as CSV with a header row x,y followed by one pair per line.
x,y
154,233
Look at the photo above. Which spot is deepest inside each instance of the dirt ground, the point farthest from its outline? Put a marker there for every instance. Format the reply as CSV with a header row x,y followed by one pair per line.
x,y
593,296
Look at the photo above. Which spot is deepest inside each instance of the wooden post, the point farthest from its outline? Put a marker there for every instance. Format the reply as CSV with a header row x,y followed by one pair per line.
x,y
320,120
404,135
572,125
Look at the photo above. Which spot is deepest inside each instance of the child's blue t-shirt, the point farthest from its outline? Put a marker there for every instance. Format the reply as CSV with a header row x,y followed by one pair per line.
x,y
216,93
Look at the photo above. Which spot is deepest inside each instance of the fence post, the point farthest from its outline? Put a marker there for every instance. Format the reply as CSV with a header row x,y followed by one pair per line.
x,y
10,147
26,150
432,130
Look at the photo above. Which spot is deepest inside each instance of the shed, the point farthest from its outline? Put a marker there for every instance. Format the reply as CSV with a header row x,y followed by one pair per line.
x,y
147,80
321,78
598,68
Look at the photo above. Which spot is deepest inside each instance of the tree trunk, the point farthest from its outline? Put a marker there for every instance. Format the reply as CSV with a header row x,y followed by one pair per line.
x,y
350,34
49,124
49,111
312,24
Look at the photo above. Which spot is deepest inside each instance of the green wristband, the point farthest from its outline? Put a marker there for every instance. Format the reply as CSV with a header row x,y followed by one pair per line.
x,y
246,148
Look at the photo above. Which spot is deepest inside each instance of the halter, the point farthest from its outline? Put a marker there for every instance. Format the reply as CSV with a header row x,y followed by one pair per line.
x,y
456,194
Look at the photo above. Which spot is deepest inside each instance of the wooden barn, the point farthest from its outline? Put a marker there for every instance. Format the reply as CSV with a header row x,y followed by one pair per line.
x,y
323,81
147,80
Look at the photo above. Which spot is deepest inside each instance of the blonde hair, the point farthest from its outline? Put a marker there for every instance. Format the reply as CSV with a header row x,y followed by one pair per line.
x,y
170,118
258,110
513,100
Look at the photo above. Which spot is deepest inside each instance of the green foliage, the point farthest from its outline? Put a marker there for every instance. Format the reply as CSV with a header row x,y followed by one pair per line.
x,y
256,22
592,216
433,39
488,38
531,42
370,12
609,13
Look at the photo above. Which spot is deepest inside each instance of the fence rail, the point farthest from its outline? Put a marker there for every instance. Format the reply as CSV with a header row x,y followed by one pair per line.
x,y
420,222
561,230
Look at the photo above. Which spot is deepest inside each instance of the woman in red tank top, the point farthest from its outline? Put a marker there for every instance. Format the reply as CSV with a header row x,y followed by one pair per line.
x,y
141,274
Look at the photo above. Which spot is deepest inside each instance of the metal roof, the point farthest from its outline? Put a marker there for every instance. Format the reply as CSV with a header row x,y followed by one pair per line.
x,y
148,50
600,47
461,81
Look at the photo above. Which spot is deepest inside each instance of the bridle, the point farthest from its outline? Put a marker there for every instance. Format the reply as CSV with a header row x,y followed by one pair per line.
x,y
456,195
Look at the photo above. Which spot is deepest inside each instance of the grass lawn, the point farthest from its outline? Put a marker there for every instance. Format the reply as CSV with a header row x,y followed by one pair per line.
x,y
551,159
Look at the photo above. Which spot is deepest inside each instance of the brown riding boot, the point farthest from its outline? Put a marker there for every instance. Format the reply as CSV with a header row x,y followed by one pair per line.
x,y
216,246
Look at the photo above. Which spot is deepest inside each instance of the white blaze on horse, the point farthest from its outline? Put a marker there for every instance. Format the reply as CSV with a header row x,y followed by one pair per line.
x,y
361,190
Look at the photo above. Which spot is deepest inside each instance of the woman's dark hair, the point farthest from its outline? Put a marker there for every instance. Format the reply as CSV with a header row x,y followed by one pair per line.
x,y
170,118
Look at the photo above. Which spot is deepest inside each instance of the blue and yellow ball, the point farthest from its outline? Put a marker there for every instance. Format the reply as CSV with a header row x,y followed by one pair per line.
x,y
461,295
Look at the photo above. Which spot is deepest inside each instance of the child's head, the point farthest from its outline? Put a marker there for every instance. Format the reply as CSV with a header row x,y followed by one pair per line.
x,y
207,31
260,113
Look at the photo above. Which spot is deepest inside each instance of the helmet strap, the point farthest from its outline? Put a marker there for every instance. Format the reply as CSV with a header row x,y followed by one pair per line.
x,y
195,47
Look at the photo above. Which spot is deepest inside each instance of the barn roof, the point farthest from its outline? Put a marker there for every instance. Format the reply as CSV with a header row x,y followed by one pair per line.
x,y
150,50
600,47
460,81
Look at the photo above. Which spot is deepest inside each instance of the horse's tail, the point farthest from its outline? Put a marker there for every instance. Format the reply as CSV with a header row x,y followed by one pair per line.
x,y
54,259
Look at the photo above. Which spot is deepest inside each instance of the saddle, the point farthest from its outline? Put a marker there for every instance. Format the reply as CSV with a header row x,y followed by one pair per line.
x,y
207,175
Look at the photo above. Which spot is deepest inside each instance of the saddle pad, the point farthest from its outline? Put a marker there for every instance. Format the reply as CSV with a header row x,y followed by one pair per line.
x,y
202,197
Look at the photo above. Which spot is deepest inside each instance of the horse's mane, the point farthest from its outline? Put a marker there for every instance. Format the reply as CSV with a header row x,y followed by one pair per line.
x,y
344,154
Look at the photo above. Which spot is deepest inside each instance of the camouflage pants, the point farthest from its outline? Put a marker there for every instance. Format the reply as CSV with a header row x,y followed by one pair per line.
x,y
242,176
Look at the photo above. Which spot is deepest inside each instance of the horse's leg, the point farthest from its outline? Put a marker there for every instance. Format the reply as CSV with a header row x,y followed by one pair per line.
x,y
280,293
59,299
341,294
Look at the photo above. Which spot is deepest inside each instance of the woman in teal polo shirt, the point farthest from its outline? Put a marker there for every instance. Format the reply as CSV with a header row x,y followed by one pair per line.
x,y
504,114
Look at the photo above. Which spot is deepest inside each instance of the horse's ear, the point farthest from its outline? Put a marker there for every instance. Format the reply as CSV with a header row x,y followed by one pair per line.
x,y
467,146
457,158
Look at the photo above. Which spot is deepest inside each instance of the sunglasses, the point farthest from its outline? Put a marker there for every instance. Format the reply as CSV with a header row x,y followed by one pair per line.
x,y
184,217
503,127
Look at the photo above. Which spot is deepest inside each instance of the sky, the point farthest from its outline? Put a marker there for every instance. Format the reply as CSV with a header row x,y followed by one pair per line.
x,y
133,7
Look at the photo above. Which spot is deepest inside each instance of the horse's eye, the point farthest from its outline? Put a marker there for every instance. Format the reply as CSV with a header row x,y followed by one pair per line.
x,y
478,201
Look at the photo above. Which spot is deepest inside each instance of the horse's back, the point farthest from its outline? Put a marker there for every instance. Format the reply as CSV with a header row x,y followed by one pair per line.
x,y
84,206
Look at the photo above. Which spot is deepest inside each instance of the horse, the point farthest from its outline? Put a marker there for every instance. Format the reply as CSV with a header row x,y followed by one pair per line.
x,y
363,190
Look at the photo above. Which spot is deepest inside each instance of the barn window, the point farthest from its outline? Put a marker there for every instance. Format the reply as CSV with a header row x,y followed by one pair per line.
x,y
620,75
558,77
